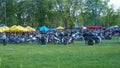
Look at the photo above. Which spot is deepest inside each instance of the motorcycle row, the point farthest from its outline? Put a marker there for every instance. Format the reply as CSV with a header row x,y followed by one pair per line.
x,y
58,37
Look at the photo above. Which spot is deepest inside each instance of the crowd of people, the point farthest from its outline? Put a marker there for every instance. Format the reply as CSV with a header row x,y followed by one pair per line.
x,y
68,36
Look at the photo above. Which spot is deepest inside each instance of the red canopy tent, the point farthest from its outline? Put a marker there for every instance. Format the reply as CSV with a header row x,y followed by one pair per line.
x,y
94,27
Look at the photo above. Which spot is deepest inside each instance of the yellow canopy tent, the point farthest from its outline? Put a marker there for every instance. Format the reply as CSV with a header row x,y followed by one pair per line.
x,y
30,29
1,29
21,29
15,28
5,29
60,28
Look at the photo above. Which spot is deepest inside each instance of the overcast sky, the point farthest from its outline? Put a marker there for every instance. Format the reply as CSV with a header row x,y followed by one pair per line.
x,y
115,4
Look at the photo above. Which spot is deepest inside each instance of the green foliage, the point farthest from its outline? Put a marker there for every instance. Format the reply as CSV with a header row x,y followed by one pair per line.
x,y
57,12
2,11
93,10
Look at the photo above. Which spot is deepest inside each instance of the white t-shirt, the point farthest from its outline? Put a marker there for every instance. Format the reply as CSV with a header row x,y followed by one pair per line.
x,y
4,36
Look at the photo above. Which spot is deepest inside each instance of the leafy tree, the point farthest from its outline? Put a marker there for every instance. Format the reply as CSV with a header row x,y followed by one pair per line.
x,y
53,13
94,8
3,11
68,9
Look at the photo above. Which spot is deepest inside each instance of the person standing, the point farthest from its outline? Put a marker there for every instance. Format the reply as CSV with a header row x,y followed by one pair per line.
x,y
4,39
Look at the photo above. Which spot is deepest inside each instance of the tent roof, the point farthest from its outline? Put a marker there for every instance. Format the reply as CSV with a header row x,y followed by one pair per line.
x,y
94,27
60,28
43,28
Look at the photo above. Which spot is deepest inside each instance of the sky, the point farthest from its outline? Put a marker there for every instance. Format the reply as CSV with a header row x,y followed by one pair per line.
x,y
115,4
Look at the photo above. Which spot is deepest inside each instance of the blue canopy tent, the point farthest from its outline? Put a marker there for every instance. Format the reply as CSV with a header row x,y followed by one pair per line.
x,y
43,28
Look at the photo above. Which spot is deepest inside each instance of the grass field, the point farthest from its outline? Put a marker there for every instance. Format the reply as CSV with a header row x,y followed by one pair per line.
x,y
77,55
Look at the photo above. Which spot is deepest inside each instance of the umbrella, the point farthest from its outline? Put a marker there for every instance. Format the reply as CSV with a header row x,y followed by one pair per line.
x,y
43,28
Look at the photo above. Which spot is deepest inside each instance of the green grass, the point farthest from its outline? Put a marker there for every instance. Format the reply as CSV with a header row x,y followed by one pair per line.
x,y
77,55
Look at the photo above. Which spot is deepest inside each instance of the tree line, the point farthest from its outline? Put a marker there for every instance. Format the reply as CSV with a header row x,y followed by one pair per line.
x,y
53,13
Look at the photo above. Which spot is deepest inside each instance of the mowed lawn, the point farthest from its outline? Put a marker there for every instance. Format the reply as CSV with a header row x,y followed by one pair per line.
x,y
77,55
